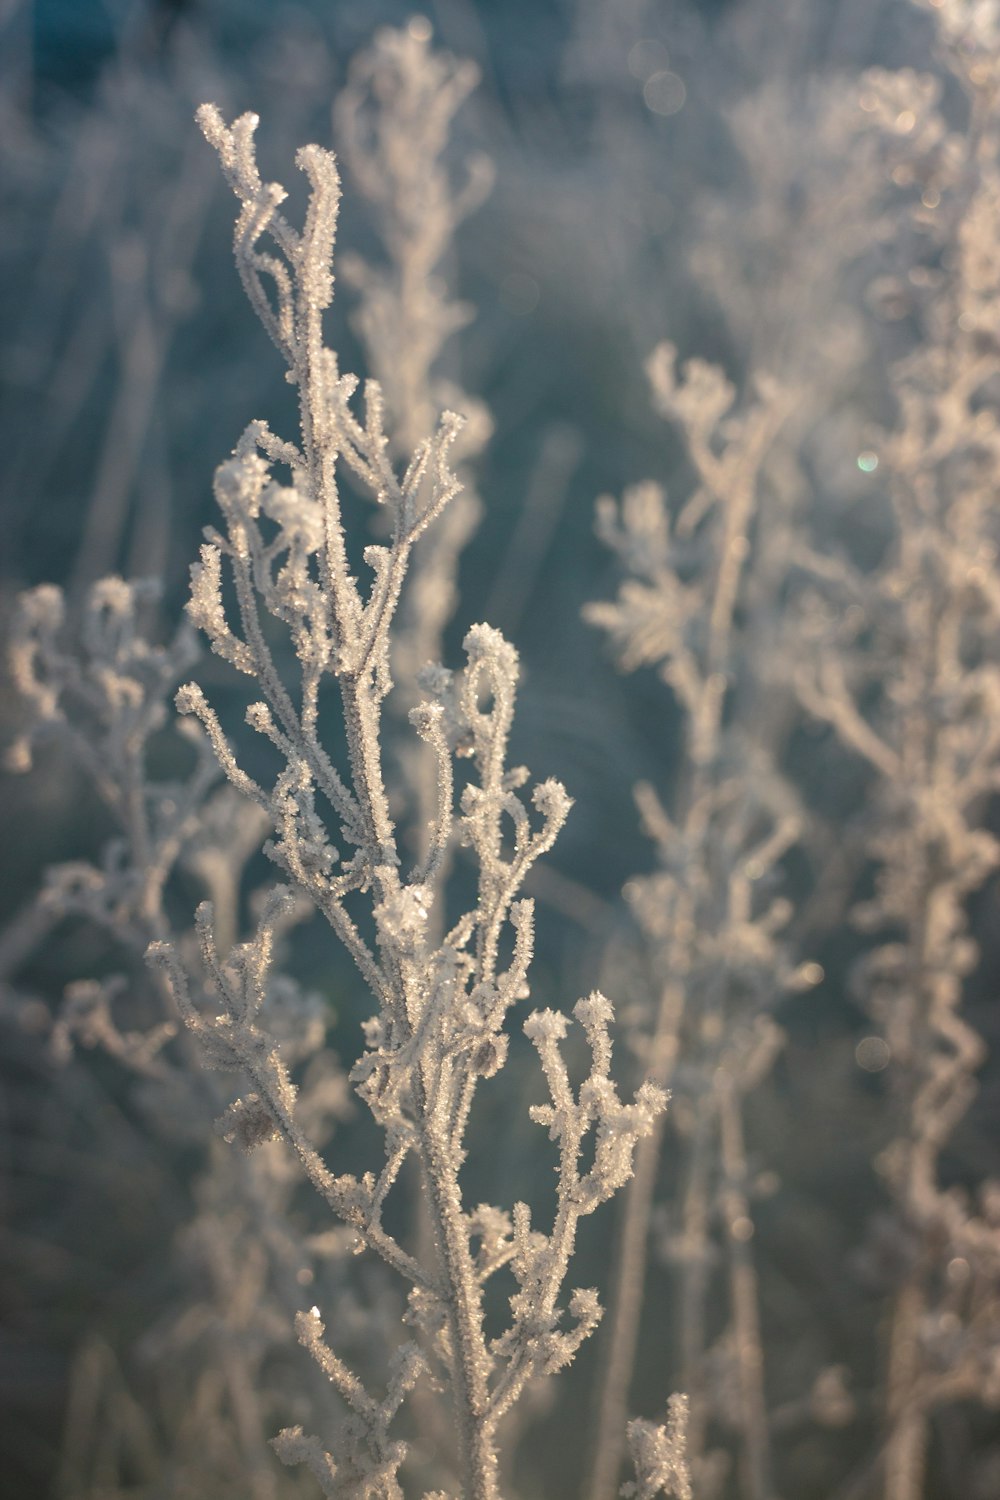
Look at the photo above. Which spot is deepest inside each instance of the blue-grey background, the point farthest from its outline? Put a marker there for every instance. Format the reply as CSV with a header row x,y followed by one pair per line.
x,y
130,364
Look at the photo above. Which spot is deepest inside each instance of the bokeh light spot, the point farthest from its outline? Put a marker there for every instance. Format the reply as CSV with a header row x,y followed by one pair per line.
x,y
664,93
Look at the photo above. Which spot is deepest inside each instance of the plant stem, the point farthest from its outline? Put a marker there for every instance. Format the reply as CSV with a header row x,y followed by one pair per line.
x,y
906,1450
464,1310
753,1419
629,1281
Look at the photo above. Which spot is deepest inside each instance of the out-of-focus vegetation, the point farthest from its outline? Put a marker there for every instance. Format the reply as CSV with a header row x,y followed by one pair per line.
x,y
739,266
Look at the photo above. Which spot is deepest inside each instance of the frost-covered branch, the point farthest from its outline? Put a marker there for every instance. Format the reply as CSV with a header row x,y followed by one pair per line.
x,y
907,677
440,1001
712,933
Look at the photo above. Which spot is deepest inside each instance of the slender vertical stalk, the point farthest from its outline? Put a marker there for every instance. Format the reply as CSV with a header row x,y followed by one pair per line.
x,y
692,1289
906,1449
631,1256
628,1288
756,1458
735,495
906,1445
464,1307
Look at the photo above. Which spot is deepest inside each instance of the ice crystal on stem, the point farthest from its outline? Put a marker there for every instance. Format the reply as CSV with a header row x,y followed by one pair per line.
x,y
660,1456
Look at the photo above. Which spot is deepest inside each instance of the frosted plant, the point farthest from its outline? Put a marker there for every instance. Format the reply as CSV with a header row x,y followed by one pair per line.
x,y
108,698
105,694
393,124
440,1006
393,120
904,669
708,919
213,842
780,255
660,1456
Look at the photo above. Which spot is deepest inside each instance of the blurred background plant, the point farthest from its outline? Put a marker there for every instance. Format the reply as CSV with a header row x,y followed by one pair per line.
x,y
816,1226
